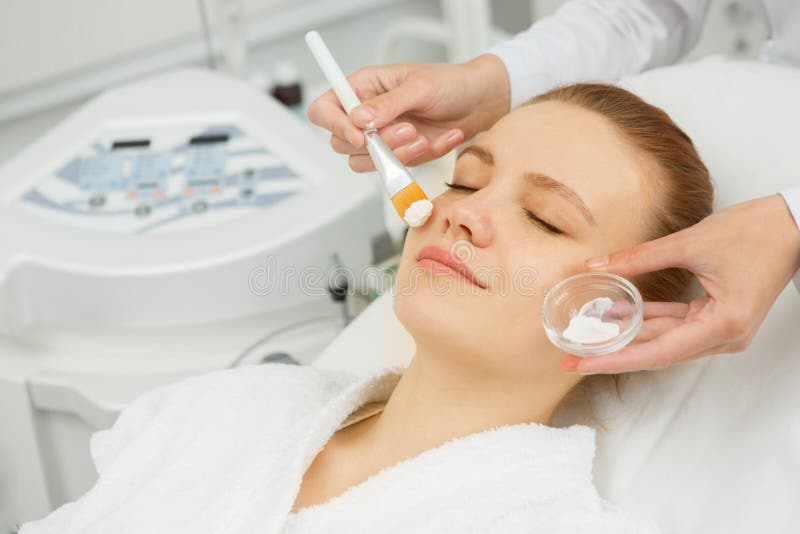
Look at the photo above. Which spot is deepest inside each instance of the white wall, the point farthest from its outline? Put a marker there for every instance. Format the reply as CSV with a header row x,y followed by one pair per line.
x,y
43,40
51,54
54,54
276,31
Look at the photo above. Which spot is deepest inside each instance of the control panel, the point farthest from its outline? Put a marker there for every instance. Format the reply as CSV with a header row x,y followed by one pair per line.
x,y
163,176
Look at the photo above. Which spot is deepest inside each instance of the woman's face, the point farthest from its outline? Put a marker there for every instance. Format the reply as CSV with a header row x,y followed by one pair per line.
x,y
546,188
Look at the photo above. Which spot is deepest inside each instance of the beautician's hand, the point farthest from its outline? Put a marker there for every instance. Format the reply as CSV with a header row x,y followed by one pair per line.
x,y
422,111
743,256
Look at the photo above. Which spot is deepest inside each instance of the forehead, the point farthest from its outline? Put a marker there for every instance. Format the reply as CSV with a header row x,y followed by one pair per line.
x,y
578,147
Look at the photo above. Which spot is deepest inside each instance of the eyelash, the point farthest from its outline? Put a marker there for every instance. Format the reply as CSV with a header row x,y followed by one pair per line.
x,y
547,226
532,216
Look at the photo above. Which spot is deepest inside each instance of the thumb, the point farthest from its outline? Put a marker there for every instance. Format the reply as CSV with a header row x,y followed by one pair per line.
x,y
661,253
380,110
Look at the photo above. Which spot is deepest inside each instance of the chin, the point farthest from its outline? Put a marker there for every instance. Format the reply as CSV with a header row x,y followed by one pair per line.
x,y
441,319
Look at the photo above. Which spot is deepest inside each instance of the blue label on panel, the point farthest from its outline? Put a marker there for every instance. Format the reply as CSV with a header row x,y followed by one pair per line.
x,y
205,162
101,172
151,166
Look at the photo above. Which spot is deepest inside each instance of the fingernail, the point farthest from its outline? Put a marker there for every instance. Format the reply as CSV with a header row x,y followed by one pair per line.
x,y
453,136
417,145
404,133
569,364
364,114
599,261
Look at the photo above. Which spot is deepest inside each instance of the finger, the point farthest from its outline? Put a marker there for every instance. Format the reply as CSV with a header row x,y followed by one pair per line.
x,y
673,346
410,154
326,111
570,363
395,136
665,252
343,128
619,310
665,309
369,82
361,163
343,147
446,142
652,328
379,111
623,308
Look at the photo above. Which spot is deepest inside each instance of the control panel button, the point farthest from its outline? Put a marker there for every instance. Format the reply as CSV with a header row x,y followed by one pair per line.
x,y
97,201
200,206
142,210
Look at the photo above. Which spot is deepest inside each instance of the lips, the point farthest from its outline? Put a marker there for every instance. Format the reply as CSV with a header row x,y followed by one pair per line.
x,y
442,262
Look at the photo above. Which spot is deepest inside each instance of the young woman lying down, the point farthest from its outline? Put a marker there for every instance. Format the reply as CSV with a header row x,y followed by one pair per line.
x,y
461,440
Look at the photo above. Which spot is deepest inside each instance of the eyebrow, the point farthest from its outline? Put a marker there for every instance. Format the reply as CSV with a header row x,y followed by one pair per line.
x,y
481,153
550,184
538,179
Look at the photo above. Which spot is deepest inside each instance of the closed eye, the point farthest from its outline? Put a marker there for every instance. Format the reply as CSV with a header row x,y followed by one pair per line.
x,y
532,216
460,187
542,223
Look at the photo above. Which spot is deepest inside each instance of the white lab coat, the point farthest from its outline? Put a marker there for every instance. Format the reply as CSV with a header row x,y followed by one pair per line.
x,y
225,453
604,40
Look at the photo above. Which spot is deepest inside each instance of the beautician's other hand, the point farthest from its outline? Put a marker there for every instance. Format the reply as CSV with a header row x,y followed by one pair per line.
x,y
743,256
422,111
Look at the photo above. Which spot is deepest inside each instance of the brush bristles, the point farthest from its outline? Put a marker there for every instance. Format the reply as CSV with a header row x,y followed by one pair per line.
x,y
407,196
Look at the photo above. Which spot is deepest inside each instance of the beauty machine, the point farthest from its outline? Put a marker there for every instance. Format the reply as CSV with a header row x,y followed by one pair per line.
x,y
164,229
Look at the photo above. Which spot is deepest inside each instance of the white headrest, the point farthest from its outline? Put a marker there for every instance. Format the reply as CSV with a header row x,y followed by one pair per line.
x,y
741,115
714,445
374,339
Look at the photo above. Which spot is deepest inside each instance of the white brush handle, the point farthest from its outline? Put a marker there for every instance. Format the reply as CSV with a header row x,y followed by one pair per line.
x,y
395,176
332,71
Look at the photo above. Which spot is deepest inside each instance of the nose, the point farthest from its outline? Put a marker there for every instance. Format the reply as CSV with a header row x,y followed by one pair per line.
x,y
471,218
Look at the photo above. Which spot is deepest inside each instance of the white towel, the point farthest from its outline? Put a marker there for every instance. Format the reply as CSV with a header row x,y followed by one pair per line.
x,y
225,453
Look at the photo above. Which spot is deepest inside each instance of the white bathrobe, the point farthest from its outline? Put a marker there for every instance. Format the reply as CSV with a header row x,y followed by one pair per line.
x,y
226,452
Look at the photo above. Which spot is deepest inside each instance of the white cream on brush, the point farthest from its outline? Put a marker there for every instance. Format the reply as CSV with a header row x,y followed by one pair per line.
x,y
418,212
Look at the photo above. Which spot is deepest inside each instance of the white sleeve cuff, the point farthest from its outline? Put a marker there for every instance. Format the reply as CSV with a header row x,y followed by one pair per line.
x,y
598,41
792,198
525,82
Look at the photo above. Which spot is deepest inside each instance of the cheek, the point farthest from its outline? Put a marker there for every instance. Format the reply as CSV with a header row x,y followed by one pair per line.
x,y
543,261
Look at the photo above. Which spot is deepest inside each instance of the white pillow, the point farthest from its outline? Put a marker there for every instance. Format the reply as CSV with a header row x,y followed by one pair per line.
x,y
714,445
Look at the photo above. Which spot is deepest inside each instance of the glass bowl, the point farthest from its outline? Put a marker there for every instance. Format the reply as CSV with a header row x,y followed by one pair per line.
x,y
565,300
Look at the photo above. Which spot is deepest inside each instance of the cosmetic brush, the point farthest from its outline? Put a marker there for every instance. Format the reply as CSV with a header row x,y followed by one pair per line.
x,y
408,198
